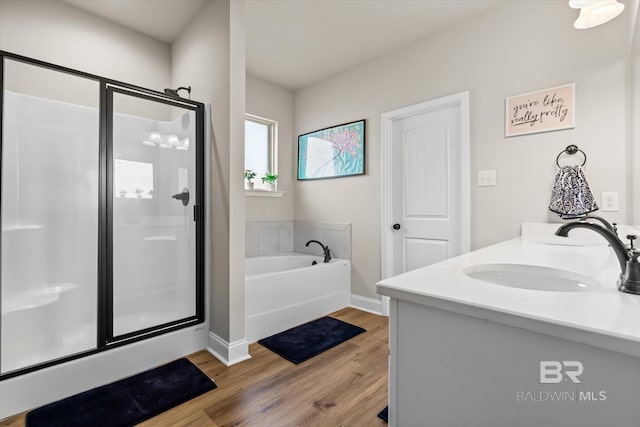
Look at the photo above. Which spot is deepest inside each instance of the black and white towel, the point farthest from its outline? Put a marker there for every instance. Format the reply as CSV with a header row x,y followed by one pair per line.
x,y
571,196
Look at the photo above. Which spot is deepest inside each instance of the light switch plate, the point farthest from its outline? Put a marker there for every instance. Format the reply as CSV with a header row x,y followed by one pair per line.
x,y
486,178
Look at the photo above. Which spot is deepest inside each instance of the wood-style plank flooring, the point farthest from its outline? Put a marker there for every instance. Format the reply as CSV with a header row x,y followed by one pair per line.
x,y
344,386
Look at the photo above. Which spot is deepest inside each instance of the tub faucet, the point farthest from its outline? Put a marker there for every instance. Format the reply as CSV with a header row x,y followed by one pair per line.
x,y
629,280
325,249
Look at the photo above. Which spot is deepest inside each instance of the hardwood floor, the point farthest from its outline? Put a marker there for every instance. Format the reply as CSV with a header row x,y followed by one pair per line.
x,y
344,386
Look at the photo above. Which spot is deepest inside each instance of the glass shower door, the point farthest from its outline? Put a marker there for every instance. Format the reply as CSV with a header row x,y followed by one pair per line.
x,y
101,213
152,197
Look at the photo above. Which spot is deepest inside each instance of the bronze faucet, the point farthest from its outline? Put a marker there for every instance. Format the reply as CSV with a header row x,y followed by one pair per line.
x,y
327,253
629,280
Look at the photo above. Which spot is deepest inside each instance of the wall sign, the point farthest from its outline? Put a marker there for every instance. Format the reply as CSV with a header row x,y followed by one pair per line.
x,y
542,111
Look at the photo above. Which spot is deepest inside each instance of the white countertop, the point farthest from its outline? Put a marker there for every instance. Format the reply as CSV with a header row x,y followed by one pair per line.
x,y
602,317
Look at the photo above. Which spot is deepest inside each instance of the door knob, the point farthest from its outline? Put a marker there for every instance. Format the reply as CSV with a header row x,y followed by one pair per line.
x,y
396,226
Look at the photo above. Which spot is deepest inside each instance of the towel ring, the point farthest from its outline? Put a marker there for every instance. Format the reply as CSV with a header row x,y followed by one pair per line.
x,y
571,149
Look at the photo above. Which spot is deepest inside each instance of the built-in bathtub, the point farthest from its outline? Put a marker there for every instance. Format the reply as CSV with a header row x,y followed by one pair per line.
x,y
285,290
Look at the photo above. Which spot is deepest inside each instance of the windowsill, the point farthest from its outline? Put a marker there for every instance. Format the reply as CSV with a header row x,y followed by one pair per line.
x,y
263,193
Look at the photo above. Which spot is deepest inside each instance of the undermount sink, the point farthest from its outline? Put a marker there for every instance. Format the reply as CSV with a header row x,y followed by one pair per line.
x,y
533,277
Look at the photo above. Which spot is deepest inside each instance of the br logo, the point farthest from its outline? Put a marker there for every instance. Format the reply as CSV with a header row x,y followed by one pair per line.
x,y
553,371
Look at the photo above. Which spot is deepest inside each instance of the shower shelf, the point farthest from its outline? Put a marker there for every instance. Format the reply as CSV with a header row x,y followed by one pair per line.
x,y
166,238
21,227
36,298
26,301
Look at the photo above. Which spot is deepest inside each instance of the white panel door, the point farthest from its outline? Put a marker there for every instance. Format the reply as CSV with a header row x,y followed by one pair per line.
x,y
426,188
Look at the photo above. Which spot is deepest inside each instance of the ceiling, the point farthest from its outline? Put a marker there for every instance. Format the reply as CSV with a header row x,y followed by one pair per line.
x,y
295,43
161,19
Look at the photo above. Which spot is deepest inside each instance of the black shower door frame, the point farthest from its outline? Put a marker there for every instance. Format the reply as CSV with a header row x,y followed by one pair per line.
x,y
105,340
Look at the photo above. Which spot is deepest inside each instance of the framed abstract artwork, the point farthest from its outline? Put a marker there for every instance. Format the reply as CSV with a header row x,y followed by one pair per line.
x,y
333,152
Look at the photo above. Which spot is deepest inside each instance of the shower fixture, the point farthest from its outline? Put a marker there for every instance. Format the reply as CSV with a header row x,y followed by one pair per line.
x,y
174,92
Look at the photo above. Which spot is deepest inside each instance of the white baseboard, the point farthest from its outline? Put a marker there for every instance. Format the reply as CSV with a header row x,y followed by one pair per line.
x,y
370,305
228,353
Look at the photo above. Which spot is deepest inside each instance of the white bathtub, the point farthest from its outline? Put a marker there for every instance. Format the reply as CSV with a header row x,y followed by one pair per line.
x,y
282,291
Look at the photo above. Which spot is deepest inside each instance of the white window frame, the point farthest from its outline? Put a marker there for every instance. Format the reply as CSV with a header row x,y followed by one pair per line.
x,y
273,149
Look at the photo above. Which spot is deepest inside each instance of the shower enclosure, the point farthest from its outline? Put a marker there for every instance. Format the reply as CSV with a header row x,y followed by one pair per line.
x,y
101,194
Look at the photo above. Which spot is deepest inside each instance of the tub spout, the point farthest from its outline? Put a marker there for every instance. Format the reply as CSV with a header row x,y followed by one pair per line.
x,y
325,249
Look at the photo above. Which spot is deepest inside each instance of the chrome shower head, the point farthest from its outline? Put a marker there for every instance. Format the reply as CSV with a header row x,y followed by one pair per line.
x,y
174,92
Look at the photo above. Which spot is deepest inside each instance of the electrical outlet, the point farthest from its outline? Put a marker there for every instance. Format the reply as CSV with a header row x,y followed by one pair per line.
x,y
486,178
610,201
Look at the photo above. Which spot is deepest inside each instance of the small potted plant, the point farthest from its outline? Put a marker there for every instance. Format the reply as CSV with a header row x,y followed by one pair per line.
x,y
270,179
249,174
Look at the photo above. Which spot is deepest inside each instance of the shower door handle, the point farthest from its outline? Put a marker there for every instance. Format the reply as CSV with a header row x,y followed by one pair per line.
x,y
184,196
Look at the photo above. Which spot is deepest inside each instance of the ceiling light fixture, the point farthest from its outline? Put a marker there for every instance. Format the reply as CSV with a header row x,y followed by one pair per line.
x,y
595,12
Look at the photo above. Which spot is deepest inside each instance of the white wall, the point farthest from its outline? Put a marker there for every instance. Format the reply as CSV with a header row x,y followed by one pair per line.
x,y
273,102
64,35
634,173
210,57
635,110
516,48
61,34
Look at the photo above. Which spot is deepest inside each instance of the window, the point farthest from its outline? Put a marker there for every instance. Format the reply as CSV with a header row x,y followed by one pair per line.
x,y
260,147
133,180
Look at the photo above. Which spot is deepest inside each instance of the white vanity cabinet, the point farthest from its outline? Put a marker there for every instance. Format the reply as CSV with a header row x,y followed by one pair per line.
x,y
464,352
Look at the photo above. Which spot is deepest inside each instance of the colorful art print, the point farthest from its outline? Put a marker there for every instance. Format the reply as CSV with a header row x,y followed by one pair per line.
x,y
542,111
332,152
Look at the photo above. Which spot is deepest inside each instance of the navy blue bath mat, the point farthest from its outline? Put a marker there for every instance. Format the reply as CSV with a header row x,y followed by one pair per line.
x,y
310,339
384,414
128,401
